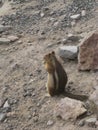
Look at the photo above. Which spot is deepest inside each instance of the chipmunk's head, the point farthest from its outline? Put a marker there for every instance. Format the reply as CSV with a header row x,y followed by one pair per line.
x,y
49,57
49,61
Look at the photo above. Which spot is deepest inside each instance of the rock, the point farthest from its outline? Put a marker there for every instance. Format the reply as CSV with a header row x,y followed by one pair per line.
x,y
4,41
6,104
19,42
52,13
64,41
4,89
15,66
56,24
81,123
2,117
42,14
75,17
13,38
91,122
72,38
4,28
43,32
34,114
88,53
69,109
27,92
6,107
45,9
68,52
49,123
83,13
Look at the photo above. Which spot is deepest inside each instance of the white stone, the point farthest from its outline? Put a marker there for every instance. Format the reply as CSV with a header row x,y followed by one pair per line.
x,y
6,105
19,42
83,13
75,17
56,24
68,52
49,123
42,14
69,109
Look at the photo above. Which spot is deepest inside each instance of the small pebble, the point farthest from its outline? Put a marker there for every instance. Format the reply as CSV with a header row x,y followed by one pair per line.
x,y
83,13
42,14
81,123
35,119
49,123
6,105
75,17
2,117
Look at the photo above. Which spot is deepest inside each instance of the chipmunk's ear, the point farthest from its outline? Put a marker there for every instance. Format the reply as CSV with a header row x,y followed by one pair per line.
x,y
53,52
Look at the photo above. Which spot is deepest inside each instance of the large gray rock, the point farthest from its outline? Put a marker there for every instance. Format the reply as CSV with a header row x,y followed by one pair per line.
x,y
69,109
68,52
88,53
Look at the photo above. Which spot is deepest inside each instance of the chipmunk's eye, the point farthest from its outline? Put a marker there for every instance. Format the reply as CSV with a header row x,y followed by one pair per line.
x,y
53,52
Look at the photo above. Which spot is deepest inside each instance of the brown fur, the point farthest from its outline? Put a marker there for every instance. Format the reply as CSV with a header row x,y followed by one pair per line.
x,y
55,69
57,77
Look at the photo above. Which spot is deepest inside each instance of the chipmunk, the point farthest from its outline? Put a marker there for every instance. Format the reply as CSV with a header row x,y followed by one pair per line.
x,y
57,77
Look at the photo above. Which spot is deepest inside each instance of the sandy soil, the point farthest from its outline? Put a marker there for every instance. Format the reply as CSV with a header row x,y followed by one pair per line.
x,y
22,74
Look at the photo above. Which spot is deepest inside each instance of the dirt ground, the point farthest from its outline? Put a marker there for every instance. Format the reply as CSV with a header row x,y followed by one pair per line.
x,y
22,74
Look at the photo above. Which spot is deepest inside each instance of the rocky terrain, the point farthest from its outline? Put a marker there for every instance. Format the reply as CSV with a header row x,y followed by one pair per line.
x,y
28,30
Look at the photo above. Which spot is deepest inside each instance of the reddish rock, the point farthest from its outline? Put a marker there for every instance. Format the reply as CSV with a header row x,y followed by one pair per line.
x,y
88,53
